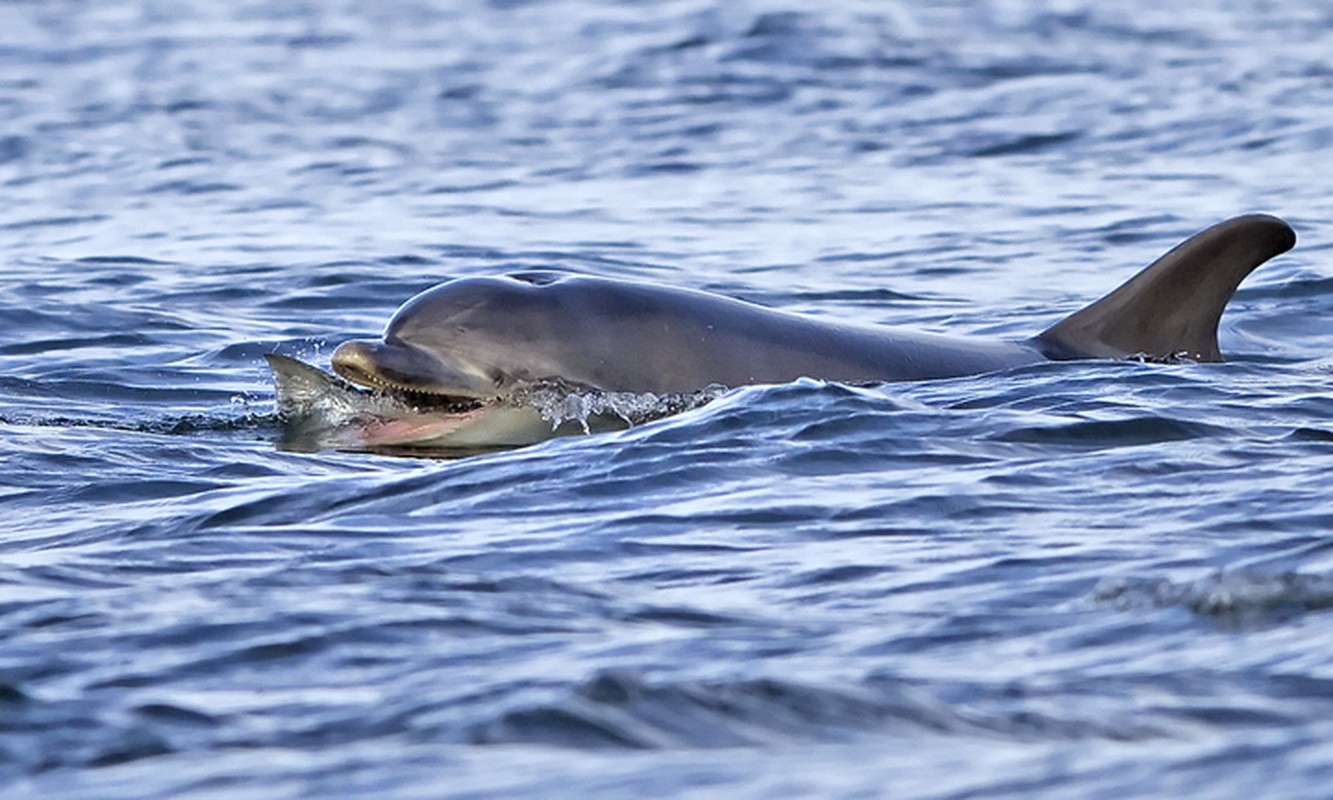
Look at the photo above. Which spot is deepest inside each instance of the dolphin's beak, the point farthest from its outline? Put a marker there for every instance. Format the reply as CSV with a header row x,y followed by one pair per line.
x,y
388,365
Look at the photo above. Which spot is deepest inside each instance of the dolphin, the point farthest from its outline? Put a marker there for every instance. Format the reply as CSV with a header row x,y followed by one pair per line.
x,y
465,351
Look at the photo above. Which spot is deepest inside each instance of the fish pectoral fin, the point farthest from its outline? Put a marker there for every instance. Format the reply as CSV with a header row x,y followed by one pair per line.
x,y
1172,308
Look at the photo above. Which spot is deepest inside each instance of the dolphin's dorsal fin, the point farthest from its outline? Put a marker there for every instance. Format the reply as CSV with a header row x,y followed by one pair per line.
x,y
1172,307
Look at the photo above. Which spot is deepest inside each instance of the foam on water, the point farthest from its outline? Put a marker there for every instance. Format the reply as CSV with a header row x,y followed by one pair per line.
x,y
559,404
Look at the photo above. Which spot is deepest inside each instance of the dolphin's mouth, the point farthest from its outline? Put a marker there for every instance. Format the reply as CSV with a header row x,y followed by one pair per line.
x,y
431,402
417,397
411,376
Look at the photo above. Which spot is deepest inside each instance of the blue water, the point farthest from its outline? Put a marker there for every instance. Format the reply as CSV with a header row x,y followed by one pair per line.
x,y
1076,579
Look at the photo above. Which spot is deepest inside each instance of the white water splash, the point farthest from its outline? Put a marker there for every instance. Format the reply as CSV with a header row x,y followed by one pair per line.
x,y
1235,597
558,404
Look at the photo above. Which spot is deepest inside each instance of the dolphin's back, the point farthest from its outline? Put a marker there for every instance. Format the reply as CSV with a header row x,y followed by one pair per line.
x,y
684,339
645,337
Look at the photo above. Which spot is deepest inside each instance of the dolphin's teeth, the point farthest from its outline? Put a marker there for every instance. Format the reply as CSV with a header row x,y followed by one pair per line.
x,y
431,401
417,396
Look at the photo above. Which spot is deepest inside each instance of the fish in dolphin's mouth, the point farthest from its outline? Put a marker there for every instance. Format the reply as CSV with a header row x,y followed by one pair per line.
x,y
362,409
320,410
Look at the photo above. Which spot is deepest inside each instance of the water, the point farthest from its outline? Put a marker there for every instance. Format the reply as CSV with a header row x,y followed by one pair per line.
x,y
1097,579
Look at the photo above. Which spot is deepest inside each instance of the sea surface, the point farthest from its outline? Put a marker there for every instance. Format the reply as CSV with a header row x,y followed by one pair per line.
x,y
1084,579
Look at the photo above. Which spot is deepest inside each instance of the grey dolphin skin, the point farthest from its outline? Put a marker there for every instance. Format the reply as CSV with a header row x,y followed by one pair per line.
x,y
472,342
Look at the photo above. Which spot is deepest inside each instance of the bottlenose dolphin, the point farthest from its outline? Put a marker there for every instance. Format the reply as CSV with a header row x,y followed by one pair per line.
x,y
461,350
